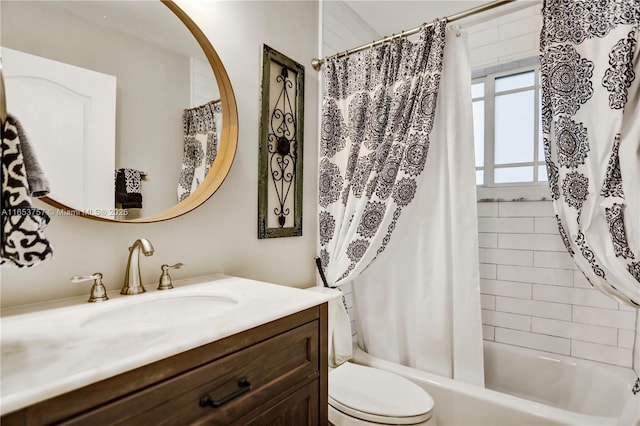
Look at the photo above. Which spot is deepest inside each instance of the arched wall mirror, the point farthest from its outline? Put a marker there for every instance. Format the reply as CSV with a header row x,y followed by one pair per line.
x,y
101,86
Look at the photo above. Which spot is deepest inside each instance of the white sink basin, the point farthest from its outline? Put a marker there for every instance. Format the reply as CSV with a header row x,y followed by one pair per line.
x,y
164,312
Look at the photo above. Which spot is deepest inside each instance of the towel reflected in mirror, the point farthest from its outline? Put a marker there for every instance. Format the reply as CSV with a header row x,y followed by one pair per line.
x,y
129,188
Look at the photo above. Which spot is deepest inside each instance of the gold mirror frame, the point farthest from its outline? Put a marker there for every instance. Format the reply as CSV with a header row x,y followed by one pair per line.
x,y
226,149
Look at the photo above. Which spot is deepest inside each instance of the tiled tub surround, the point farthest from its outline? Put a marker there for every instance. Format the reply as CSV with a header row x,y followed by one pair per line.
x,y
534,299
534,296
512,398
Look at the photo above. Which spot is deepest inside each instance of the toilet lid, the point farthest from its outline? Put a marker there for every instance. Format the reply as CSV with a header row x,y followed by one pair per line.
x,y
378,396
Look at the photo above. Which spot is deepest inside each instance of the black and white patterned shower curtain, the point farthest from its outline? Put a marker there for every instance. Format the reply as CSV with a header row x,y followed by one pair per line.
x,y
201,127
591,129
377,114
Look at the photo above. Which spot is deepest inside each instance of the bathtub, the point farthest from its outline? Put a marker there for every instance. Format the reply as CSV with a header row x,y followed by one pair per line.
x,y
525,387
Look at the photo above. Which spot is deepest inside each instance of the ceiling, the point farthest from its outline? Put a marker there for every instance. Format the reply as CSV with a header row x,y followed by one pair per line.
x,y
153,23
388,17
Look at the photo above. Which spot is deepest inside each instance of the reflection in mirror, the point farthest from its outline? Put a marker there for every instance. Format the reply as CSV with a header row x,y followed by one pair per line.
x,y
102,86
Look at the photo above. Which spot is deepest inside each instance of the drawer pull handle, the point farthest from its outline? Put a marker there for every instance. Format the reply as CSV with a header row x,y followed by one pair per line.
x,y
245,387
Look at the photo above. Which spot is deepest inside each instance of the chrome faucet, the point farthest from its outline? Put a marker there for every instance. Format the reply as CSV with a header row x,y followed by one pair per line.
x,y
132,281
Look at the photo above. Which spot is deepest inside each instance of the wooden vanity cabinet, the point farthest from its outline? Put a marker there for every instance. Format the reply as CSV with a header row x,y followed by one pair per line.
x,y
275,374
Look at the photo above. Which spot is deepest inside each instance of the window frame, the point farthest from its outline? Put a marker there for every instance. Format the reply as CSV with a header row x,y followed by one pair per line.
x,y
489,189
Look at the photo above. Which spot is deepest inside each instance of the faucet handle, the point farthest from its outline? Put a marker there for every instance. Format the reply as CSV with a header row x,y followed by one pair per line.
x,y
98,291
164,283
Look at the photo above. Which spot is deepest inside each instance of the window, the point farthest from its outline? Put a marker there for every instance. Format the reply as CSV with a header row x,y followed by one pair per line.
x,y
507,128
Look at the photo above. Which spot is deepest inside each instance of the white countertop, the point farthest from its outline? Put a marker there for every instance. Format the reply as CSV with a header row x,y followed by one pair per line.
x,y
47,351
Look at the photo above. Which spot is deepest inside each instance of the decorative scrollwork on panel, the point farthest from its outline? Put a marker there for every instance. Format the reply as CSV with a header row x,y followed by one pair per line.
x,y
282,146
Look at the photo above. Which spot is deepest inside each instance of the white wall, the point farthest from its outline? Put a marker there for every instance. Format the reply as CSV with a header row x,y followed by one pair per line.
x,y
221,235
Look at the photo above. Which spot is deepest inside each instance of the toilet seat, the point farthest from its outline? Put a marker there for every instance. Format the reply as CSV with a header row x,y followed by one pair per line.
x,y
377,396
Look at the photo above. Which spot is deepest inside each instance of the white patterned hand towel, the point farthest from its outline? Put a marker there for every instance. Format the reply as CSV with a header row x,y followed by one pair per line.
x,y
38,182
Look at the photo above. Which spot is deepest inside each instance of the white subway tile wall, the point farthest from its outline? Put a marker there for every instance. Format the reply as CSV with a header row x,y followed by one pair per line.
x,y
506,38
537,298
532,294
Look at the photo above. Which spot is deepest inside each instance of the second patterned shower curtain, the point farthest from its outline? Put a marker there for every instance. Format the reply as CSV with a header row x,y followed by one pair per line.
x,y
590,58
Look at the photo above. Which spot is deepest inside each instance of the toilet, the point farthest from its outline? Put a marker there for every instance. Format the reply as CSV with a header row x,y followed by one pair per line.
x,y
361,395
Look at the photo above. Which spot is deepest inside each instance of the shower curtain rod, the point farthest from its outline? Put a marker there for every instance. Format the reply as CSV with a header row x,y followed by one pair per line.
x,y
317,63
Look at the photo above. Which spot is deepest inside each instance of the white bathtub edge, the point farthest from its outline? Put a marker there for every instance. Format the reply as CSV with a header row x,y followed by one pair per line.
x,y
543,413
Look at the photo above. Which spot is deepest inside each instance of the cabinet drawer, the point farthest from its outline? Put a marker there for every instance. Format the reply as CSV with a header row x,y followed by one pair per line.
x,y
271,367
300,408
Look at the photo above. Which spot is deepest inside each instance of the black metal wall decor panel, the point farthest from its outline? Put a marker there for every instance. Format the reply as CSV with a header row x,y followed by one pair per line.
x,y
280,150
